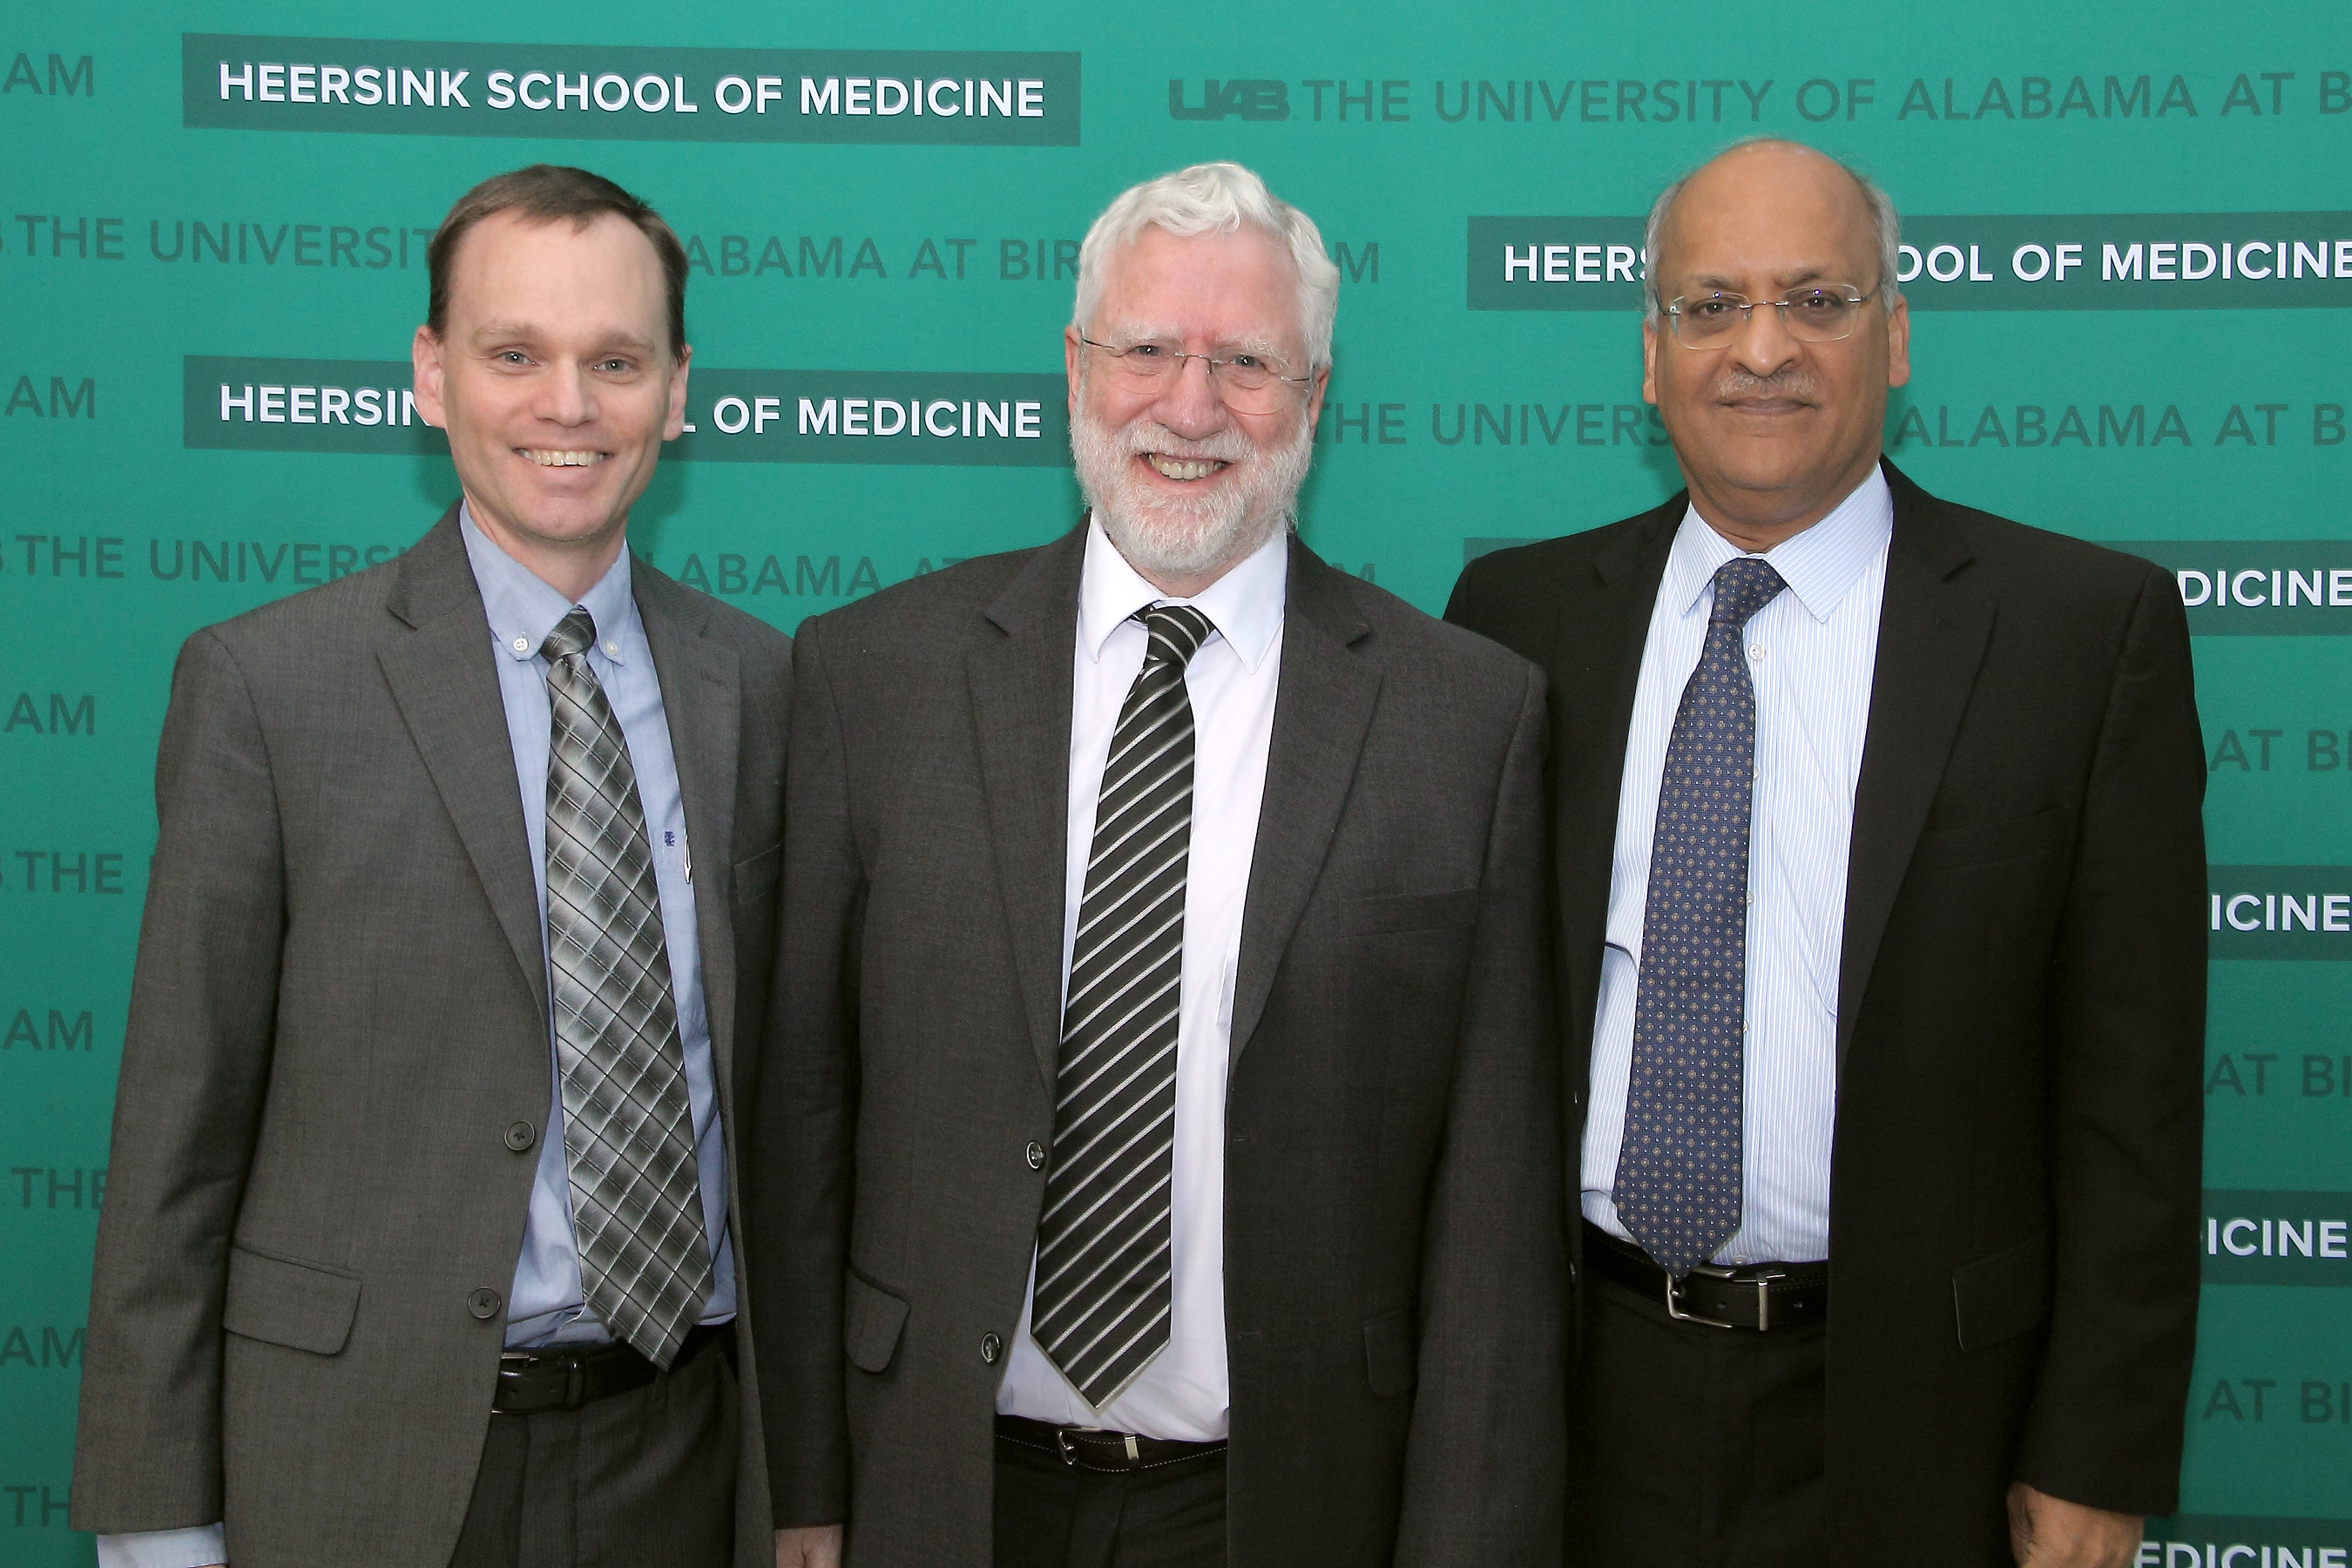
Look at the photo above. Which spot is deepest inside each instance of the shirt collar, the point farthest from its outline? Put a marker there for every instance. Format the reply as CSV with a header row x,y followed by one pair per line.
x,y
1244,606
522,609
1819,564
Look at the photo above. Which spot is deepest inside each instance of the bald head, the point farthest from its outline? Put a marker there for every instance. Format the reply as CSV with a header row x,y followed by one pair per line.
x,y
1768,183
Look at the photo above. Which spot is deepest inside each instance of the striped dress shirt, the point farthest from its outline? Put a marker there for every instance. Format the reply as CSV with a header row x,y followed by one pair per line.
x,y
1810,653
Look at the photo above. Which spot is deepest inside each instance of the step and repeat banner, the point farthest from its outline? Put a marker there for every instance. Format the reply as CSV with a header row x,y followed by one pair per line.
x,y
2127,242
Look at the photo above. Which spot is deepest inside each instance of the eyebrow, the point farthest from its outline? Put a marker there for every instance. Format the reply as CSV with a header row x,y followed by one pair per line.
x,y
1134,332
1790,279
509,331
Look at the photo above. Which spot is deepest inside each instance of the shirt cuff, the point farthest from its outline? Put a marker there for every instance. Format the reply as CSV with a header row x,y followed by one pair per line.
x,y
194,1548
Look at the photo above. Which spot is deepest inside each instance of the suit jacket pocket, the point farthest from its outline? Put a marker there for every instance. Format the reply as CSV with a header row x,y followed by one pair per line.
x,y
1389,1353
1989,843
2000,1296
755,877
1407,911
871,1321
300,1305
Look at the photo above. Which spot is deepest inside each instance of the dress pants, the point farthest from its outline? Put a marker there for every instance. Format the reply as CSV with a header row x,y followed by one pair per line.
x,y
1695,1446
1053,1515
644,1479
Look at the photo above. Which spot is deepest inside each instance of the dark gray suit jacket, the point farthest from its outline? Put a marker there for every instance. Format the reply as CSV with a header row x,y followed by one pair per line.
x,y
338,1011
1394,1248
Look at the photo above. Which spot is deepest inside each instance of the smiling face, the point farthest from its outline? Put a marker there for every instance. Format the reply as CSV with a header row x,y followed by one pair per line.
x,y
1185,486
557,383
1772,433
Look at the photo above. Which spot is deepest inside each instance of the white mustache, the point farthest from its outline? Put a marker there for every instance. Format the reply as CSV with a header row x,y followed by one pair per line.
x,y
1142,436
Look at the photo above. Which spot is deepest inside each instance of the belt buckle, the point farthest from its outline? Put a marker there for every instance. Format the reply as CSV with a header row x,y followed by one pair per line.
x,y
1673,1306
1763,1283
1070,1457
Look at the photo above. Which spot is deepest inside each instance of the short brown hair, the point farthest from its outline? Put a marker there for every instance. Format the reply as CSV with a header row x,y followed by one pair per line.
x,y
544,193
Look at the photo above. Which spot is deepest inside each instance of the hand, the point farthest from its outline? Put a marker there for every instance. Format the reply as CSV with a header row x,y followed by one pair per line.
x,y
2045,1531
819,1546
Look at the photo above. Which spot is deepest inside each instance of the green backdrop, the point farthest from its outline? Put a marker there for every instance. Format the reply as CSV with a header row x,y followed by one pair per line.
x,y
2128,270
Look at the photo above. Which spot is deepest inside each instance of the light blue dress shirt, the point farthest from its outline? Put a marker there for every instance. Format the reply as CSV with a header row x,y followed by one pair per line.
x,y
1810,653
544,1306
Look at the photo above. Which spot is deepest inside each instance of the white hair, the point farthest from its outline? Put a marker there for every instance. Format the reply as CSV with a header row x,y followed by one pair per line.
x,y
1885,226
1215,198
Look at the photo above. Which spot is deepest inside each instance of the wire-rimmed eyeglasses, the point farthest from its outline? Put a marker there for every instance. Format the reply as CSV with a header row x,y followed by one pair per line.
x,y
1245,381
1813,314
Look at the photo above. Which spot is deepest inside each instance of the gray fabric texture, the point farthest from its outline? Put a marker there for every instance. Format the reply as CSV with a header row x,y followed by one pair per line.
x,y
339,1014
1394,1184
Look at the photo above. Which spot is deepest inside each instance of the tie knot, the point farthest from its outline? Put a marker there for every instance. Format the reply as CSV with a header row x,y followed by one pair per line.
x,y
1742,587
1177,632
576,633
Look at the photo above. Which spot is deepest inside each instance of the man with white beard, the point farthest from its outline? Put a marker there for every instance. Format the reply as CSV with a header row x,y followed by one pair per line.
x,y
1164,1162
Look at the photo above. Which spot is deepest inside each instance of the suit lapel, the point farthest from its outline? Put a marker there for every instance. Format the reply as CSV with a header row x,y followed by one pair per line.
x,y
1604,625
1932,632
1018,672
702,698
443,679
1324,698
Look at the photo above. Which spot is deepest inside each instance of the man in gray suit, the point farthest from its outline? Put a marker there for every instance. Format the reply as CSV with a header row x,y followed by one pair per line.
x,y
421,1241
1159,1160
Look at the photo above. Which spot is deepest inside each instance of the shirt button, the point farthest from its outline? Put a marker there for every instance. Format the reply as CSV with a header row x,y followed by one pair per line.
x,y
523,645
484,1303
520,1136
1036,1153
1756,650
612,649
990,1347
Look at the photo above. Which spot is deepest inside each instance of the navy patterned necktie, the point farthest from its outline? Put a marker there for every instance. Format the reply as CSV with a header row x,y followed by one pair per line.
x,y
629,1131
1678,1174
1103,1242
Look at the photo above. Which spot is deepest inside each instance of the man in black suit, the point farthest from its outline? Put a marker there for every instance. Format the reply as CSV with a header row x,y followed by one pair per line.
x,y
1883,970
1161,1164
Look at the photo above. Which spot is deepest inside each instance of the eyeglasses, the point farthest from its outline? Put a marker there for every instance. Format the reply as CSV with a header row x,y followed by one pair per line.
x,y
1813,314
1244,383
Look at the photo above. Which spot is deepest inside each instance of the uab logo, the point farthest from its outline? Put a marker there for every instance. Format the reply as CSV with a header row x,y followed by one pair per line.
x,y
1251,98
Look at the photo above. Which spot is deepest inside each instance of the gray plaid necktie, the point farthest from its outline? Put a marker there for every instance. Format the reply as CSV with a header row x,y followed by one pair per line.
x,y
1678,1169
628,1141
1103,1242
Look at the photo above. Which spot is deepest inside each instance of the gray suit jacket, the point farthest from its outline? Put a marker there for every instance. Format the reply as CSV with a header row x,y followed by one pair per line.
x,y
1393,1248
340,1008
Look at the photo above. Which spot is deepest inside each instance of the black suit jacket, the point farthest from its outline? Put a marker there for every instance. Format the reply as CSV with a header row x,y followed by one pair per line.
x,y
2022,1003
1393,1267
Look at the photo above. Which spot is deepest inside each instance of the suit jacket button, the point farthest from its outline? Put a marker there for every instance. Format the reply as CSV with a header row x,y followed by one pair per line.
x,y
990,1347
484,1303
520,1136
1036,1152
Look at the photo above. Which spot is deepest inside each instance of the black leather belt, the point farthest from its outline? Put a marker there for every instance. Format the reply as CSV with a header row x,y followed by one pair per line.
x,y
531,1381
1089,1449
1759,1297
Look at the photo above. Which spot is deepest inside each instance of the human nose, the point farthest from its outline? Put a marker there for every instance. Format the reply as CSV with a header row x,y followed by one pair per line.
x,y
1763,344
568,397
1192,406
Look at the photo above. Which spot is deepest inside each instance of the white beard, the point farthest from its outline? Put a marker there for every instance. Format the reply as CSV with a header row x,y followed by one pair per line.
x,y
1186,536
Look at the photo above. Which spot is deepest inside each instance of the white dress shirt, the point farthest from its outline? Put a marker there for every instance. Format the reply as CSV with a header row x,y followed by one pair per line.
x,y
1183,1392
1810,653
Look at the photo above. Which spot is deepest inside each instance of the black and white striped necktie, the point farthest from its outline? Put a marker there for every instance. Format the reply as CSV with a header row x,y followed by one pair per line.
x,y
628,1134
1104,1243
